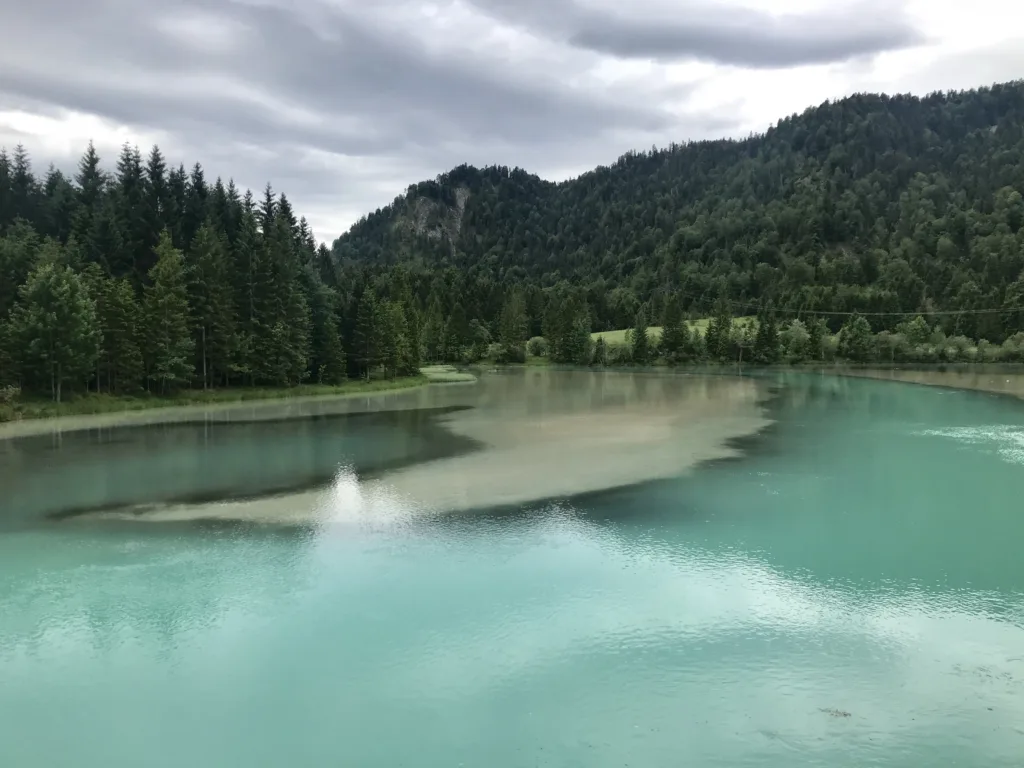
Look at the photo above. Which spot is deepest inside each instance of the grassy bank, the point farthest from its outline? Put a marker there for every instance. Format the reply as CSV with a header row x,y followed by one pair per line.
x,y
94,403
654,331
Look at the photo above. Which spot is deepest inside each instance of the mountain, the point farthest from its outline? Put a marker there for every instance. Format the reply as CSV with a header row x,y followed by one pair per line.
x,y
873,203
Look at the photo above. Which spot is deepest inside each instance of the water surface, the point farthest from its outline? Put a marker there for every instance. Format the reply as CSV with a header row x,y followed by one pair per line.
x,y
842,589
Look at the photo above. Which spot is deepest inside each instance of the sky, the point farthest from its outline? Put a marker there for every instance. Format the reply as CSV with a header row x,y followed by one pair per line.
x,y
343,104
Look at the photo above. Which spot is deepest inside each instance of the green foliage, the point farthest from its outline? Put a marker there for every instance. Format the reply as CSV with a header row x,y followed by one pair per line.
x,y
639,340
767,346
169,346
537,346
855,340
675,335
54,332
212,306
600,356
512,328
120,363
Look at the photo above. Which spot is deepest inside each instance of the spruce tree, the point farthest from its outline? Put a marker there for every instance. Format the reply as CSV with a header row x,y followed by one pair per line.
x,y
91,183
767,346
367,333
54,329
639,340
674,334
600,352
512,327
121,321
169,346
432,336
212,305
327,358
456,335
816,331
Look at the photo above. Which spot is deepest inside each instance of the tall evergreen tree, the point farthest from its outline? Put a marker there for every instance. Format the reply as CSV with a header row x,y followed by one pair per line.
x,y
767,347
639,340
120,319
368,333
212,306
327,358
675,336
512,327
169,347
54,328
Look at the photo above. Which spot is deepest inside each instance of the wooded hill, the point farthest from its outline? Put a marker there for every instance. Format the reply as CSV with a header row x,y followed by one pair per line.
x,y
873,203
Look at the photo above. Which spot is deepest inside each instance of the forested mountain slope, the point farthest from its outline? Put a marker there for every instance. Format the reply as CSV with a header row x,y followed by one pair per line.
x,y
874,204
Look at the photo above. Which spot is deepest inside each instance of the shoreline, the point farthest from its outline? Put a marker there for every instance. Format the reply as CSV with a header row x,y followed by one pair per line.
x,y
158,411
1005,383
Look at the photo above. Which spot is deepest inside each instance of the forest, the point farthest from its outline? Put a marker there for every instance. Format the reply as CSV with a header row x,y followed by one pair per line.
x,y
873,228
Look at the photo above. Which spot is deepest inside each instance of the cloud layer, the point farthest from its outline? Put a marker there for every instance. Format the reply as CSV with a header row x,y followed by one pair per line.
x,y
343,103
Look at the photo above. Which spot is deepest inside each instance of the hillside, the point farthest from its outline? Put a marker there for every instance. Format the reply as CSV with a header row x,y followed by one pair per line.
x,y
874,204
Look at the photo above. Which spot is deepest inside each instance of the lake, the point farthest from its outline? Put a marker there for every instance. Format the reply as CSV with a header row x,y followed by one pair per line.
x,y
540,569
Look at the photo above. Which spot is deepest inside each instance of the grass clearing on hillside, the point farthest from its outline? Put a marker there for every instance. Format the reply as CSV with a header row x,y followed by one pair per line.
x,y
654,331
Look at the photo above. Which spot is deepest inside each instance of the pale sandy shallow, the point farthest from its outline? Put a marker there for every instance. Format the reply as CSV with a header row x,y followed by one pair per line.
x,y
1004,383
544,435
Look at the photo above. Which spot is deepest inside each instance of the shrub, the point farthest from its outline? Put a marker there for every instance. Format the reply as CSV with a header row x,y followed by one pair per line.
x,y
537,346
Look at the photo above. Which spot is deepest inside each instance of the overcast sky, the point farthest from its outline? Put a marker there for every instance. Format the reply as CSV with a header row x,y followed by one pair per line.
x,y
343,103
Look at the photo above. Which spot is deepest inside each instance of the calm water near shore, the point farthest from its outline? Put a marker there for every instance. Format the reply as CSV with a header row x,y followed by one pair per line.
x,y
545,568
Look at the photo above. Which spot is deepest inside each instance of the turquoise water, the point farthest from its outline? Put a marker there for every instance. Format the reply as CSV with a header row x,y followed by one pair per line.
x,y
849,592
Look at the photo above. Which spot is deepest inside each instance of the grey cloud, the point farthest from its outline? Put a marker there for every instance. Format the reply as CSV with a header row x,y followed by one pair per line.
x,y
745,37
407,106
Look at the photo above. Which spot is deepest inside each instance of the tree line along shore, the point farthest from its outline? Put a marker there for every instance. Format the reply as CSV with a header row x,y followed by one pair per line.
x,y
869,229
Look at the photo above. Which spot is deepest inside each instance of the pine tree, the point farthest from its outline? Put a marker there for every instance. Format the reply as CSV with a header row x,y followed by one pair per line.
x,y
156,207
121,322
675,337
246,273
456,335
6,201
25,193
718,339
639,340
169,346
512,327
59,204
393,345
327,358
600,352
212,305
411,363
432,337
54,329
129,206
196,204
91,185
767,347
816,331
367,333
18,249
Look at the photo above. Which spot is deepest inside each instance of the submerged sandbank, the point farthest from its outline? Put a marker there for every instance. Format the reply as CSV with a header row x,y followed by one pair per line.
x,y
544,434
999,382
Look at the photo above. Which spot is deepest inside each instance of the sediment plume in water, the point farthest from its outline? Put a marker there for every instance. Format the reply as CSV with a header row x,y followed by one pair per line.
x,y
544,434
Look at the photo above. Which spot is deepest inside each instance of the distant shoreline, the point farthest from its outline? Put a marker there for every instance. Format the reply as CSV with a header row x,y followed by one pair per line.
x,y
108,411
971,378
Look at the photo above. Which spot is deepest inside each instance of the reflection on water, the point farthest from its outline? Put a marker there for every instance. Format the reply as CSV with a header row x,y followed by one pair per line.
x,y
847,594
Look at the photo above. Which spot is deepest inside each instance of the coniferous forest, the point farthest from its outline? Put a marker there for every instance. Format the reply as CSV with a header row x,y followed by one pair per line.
x,y
873,228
